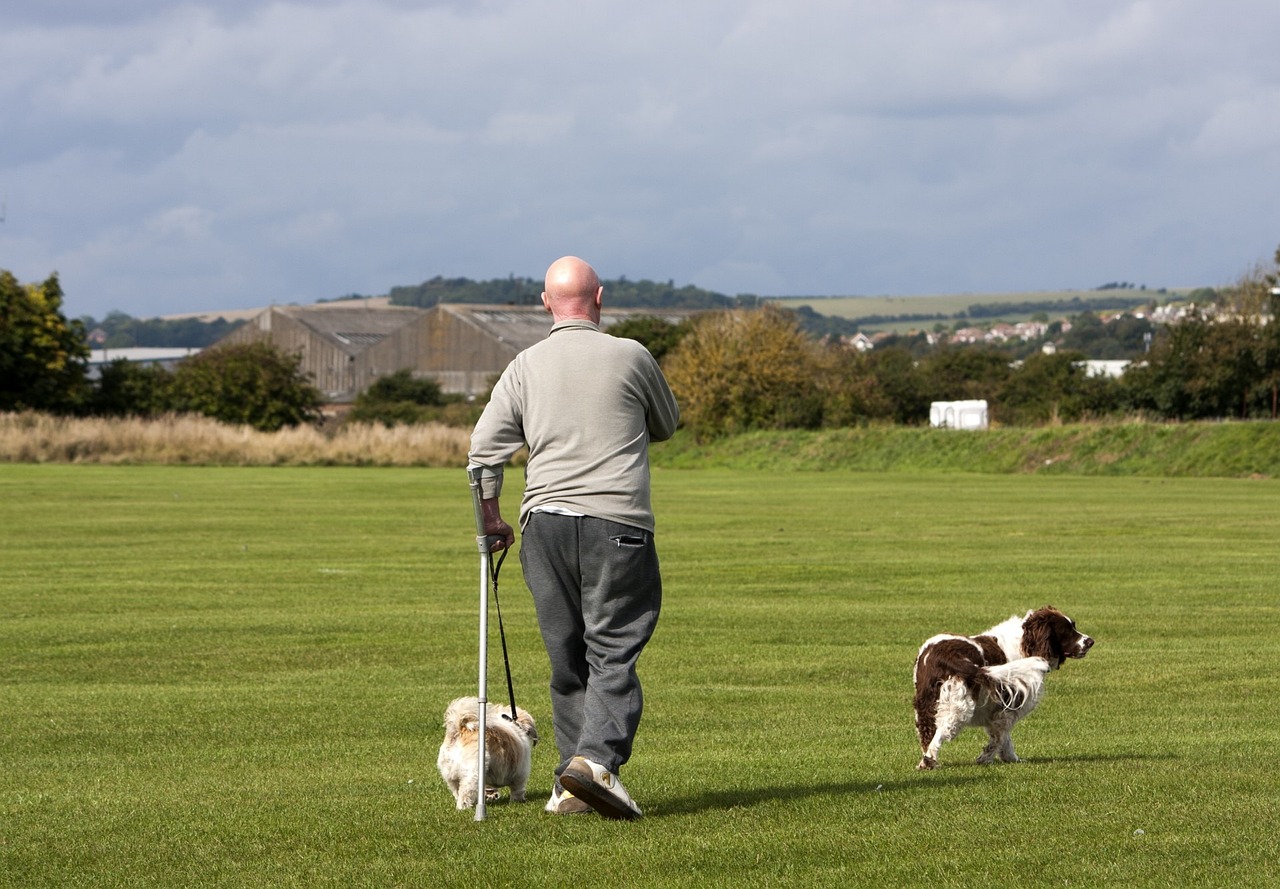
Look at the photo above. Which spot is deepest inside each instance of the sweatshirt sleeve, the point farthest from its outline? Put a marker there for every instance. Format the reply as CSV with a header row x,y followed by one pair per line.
x,y
663,414
498,434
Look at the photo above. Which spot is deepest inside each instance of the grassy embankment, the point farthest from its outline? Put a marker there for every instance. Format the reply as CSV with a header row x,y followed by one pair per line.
x,y
1230,450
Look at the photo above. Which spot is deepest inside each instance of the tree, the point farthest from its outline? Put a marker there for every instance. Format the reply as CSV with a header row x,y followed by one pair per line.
x,y
403,386
902,383
43,356
655,334
852,392
252,384
397,399
1197,370
745,369
964,372
1054,387
1255,301
129,389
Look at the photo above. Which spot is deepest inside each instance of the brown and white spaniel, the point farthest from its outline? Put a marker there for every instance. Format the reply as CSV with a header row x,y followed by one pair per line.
x,y
991,680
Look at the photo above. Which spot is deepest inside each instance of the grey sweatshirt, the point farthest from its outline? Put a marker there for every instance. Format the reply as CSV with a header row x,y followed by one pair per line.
x,y
587,404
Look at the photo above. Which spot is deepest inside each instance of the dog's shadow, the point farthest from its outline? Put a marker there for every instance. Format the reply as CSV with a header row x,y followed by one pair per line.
x,y
1090,757
951,775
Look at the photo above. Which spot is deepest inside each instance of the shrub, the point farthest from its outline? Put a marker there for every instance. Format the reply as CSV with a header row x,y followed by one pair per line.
x,y
253,384
746,369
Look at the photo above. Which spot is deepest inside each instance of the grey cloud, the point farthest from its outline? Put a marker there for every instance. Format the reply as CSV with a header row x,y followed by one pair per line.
x,y
169,158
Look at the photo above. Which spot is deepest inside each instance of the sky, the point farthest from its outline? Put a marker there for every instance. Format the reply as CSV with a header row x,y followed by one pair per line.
x,y
166,157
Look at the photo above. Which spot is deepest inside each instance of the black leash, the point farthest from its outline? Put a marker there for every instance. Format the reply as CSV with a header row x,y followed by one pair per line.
x,y
494,568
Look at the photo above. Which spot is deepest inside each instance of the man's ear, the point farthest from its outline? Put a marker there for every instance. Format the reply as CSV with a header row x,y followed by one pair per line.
x,y
546,304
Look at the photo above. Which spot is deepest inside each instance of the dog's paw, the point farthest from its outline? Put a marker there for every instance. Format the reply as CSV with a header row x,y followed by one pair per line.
x,y
926,764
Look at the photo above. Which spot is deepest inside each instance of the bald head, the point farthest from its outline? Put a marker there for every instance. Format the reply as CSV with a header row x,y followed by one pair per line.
x,y
573,290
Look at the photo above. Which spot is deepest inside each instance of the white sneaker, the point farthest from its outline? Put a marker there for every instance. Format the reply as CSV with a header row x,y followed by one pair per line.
x,y
563,802
599,788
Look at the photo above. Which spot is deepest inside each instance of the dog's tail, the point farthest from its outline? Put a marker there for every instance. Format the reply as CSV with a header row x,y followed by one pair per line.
x,y
462,717
1017,684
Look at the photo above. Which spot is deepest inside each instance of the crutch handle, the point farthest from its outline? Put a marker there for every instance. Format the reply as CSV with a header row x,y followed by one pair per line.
x,y
485,542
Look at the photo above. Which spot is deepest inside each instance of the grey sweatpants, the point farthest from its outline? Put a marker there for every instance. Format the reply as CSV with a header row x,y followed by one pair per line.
x,y
597,591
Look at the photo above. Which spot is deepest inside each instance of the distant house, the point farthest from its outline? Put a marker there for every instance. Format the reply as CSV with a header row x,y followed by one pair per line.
x,y
345,347
1100,368
860,342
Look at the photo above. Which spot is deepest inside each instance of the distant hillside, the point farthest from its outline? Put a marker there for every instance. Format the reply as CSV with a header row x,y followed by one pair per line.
x,y
899,313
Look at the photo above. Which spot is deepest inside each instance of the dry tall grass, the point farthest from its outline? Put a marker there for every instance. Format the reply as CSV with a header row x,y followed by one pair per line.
x,y
194,440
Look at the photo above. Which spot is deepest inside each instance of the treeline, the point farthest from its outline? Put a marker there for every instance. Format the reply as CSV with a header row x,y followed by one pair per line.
x,y
619,292
120,331
742,371
1072,305
733,370
44,367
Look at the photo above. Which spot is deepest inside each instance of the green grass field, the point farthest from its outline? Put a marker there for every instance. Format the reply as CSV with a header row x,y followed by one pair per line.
x,y
235,677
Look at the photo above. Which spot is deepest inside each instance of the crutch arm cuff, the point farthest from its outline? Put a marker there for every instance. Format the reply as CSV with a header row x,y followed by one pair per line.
x,y
488,479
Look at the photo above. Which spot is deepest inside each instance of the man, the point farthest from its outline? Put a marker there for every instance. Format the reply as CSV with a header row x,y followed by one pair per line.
x,y
587,404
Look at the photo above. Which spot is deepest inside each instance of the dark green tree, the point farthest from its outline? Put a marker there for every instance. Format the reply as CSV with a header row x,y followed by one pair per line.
x,y
1197,369
1054,387
43,356
903,384
403,386
958,373
252,384
398,399
1270,343
657,335
129,389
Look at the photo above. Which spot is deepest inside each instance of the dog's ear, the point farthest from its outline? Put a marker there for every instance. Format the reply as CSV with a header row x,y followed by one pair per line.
x,y
1041,638
1035,637
526,724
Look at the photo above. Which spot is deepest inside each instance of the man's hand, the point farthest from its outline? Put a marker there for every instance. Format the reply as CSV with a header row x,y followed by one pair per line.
x,y
495,527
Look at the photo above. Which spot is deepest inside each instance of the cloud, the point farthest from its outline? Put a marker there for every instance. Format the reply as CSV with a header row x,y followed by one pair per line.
x,y
218,154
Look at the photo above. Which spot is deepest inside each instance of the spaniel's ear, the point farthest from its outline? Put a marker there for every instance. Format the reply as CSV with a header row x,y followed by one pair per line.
x,y
1036,641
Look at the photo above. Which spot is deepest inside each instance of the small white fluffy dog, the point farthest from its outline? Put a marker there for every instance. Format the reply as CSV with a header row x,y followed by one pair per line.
x,y
508,750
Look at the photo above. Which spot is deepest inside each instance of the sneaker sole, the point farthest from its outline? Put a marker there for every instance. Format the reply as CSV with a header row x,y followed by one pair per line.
x,y
604,802
573,806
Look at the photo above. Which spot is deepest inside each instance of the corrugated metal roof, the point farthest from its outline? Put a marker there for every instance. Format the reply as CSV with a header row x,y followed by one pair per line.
x,y
355,327
522,326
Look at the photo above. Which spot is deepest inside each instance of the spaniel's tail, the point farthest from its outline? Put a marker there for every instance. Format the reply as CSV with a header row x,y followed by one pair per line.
x,y
1017,684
